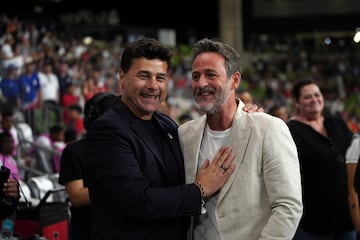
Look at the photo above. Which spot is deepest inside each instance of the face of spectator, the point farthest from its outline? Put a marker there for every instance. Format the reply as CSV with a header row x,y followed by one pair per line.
x,y
281,113
7,145
58,136
311,100
7,122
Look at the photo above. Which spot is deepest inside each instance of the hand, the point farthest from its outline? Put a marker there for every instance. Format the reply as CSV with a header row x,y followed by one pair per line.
x,y
11,188
252,107
212,176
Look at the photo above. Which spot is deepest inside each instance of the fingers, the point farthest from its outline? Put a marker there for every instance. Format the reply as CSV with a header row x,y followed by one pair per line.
x,y
205,164
222,156
212,176
250,108
259,109
230,169
11,188
228,161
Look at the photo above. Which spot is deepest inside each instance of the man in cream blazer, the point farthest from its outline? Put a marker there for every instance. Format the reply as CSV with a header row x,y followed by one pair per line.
x,y
262,199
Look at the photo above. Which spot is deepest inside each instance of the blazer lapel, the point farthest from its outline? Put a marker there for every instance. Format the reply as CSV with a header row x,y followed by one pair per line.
x,y
138,128
192,140
239,137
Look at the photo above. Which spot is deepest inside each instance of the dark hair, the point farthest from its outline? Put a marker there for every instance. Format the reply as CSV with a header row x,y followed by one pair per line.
x,y
7,113
299,85
231,56
56,129
76,108
148,48
70,135
184,117
274,108
97,105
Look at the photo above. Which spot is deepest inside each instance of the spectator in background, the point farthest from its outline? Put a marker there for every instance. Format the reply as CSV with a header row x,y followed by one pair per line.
x,y
6,51
322,141
246,97
353,180
7,125
30,91
89,88
10,89
48,147
69,98
183,118
279,111
63,76
72,172
6,158
50,91
76,119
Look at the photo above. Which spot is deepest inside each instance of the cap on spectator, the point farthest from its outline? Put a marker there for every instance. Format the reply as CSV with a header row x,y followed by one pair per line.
x,y
11,67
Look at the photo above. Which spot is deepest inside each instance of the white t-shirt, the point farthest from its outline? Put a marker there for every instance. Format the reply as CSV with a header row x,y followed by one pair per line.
x,y
210,145
353,151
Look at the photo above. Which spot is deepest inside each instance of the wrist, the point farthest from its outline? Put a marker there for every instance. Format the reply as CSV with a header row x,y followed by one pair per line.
x,y
201,188
202,193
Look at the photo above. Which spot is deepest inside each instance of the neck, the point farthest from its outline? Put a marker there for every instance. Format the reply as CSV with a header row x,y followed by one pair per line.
x,y
222,119
309,117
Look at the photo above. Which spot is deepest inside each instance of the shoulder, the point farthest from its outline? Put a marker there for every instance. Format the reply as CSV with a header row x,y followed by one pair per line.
x,y
262,119
74,149
165,119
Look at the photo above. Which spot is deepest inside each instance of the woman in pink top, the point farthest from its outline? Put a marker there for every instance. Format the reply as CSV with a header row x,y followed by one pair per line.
x,y
7,147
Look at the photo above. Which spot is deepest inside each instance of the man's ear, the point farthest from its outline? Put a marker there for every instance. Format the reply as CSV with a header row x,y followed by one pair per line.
x,y
236,78
121,78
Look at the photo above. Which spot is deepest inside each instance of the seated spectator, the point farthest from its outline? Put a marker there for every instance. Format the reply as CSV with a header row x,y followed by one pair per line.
x,y
48,148
7,125
7,147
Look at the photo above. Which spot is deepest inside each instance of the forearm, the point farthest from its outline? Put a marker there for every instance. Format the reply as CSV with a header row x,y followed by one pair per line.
x,y
79,198
354,210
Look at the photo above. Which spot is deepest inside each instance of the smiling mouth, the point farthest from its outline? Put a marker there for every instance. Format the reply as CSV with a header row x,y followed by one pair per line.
x,y
150,96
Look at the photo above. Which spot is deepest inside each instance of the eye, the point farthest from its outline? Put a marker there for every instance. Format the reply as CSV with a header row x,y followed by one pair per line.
x,y
195,76
144,76
211,75
161,78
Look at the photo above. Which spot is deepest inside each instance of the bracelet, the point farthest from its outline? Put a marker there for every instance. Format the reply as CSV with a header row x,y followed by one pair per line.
x,y
201,188
203,209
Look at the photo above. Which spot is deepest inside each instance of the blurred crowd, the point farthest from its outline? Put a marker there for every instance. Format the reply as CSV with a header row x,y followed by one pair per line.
x,y
46,76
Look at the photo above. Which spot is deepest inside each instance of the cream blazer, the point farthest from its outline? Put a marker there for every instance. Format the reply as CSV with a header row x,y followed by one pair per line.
x,y
262,198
